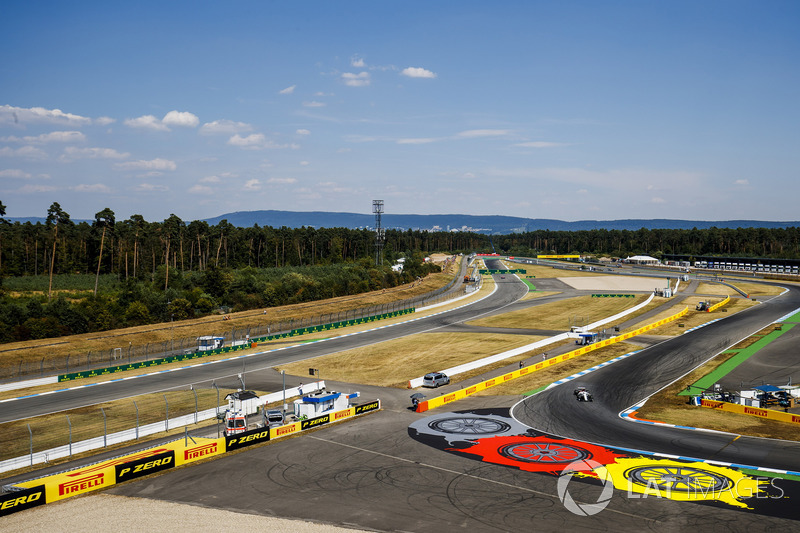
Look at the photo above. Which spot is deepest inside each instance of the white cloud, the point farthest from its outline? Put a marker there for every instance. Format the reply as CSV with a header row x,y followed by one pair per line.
x,y
151,187
257,141
582,191
55,136
471,134
104,121
96,187
303,132
356,80
313,103
282,181
26,189
201,189
254,141
72,153
146,122
357,62
289,90
252,185
540,144
225,126
417,140
16,115
28,152
210,179
181,118
153,164
14,173
417,72
657,200
742,183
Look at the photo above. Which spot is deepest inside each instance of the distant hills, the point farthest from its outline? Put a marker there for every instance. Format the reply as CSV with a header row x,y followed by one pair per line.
x,y
497,224
489,224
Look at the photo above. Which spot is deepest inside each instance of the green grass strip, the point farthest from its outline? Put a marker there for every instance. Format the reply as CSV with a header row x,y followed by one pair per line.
x,y
707,381
534,391
531,286
762,473
794,318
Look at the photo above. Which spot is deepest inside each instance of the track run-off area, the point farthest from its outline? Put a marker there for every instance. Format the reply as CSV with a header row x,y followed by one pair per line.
x,y
486,463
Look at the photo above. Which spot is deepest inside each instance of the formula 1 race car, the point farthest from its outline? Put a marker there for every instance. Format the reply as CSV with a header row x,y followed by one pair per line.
x,y
582,395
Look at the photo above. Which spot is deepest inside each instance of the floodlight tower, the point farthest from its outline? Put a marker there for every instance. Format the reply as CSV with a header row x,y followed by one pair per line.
x,y
380,233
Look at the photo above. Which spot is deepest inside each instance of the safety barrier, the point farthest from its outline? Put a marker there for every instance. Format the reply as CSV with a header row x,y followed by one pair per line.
x,y
103,474
613,296
561,256
502,271
227,349
460,394
758,412
719,304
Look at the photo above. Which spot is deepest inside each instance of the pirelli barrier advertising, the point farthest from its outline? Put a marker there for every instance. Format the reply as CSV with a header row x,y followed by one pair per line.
x,y
103,474
719,304
205,353
770,414
463,393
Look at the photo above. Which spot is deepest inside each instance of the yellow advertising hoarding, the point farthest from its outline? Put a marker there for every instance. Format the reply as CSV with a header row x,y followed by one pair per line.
x,y
463,393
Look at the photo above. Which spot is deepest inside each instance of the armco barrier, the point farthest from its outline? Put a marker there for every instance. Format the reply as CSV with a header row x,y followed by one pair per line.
x,y
719,304
769,414
48,489
460,394
227,349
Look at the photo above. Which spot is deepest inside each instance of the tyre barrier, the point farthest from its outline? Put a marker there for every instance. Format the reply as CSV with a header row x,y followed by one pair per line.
x,y
88,478
460,394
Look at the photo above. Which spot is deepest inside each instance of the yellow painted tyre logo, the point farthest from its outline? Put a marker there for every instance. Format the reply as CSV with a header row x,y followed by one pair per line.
x,y
676,480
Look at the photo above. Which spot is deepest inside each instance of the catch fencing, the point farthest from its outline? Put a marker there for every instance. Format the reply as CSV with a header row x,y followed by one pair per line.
x,y
24,368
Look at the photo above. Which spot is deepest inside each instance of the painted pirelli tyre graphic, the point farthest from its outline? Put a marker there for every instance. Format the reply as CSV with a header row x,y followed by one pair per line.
x,y
492,436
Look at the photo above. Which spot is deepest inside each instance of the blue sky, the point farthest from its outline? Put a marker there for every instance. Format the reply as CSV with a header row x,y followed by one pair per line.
x,y
569,110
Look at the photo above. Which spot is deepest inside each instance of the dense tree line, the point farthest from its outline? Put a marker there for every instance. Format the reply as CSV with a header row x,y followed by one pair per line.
x,y
744,242
153,272
135,272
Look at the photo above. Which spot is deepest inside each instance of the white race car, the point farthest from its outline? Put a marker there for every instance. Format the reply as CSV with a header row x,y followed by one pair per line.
x,y
582,394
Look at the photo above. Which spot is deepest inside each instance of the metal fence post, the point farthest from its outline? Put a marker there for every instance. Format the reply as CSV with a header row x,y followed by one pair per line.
x,y
137,419
195,403
70,435
105,429
166,418
31,442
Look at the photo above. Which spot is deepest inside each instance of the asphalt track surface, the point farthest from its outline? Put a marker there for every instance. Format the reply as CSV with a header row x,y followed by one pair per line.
x,y
627,382
369,473
22,408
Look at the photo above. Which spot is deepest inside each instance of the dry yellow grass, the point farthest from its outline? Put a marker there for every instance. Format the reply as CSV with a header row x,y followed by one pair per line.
x,y
561,315
58,348
538,294
51,431
393,363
